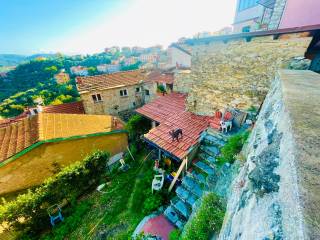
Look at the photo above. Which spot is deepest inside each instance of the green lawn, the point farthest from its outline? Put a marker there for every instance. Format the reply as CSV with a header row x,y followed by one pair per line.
x,y
111,215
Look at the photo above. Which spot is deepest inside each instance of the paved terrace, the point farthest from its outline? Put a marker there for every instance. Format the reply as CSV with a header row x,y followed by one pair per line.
x,y
301,92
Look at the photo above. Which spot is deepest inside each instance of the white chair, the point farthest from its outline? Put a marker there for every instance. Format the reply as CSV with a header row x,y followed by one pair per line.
x,y
157,182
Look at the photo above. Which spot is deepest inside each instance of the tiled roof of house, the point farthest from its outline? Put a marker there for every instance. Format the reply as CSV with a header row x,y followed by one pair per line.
x,y
53,126
21,134
163,107
71,108
169,111
192,126
17,136
113,80
157,76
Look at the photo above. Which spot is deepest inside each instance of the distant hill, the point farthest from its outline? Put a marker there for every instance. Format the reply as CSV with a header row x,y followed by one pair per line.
x,y
11,59
15,59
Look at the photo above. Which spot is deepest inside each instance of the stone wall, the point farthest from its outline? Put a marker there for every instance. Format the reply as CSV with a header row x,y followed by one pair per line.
x,y
276,194
237,73
112,103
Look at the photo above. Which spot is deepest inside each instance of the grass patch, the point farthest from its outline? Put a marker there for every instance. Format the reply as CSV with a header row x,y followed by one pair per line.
x,y
207,220
232,148
116,213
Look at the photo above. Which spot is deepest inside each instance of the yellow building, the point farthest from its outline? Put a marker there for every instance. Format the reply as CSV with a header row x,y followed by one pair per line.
x,y
34,148
62,77
116,92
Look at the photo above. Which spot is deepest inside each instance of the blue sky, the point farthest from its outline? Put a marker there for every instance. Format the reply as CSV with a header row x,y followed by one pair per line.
x,y
87,26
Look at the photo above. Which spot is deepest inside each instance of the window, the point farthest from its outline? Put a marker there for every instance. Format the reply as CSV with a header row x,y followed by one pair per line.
x,y
244,4
137,89
123,93
96,98
147,92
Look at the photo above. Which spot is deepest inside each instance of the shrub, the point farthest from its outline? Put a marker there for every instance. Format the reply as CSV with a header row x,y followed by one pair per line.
x,y
136,126
207,220
152,203
68,184
174,234
161,89
70,223
232,148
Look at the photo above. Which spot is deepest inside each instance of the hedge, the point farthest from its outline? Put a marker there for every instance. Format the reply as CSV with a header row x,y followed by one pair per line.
x,y
207,220
27,214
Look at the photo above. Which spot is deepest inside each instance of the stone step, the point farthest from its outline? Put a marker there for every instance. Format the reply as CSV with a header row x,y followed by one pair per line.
x,y
200,178
204,167
171,214
210,150
214,140
173,217
216,135
191,185
207,158
186,196
182,209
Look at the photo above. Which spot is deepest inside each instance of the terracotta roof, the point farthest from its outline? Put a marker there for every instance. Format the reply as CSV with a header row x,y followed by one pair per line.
x,y
163,107
71,108
53,126
169,111
192,126
157,76
113,80
18,135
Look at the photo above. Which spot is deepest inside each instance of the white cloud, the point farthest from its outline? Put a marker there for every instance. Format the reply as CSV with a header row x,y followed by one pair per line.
x,y
149,22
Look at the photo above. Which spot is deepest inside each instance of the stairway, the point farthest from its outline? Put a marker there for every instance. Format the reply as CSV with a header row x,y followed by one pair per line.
x,y
195,182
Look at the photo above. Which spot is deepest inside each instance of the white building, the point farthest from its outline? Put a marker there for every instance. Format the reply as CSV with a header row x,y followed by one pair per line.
x,y
79,71
178,57
149,58
108,68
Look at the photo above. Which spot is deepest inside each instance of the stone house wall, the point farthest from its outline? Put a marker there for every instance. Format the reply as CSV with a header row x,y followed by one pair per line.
x,y
237,73
112,103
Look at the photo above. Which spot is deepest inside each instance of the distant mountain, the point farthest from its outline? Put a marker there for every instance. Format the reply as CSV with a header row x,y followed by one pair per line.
x,y
11,59
15,59
45,55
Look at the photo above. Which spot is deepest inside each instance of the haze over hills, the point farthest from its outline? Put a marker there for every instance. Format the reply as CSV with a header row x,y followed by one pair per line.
x,y
16,59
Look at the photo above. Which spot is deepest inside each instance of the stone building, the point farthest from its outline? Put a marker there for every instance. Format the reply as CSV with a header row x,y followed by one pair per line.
x,y
114,93
236,71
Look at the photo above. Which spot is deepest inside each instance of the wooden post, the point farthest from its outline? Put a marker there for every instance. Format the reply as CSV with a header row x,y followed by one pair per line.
x,y
184,162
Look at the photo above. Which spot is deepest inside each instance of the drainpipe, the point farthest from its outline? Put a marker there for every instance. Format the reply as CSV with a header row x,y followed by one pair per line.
x,y
143,101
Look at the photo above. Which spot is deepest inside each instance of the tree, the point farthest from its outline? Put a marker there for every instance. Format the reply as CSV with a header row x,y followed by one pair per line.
x,y
136,126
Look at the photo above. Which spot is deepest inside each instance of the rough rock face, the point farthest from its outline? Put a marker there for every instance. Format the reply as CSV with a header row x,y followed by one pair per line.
x,y
276,194
237,73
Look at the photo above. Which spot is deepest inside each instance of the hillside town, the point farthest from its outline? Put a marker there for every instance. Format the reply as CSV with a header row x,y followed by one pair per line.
x,y
214,137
